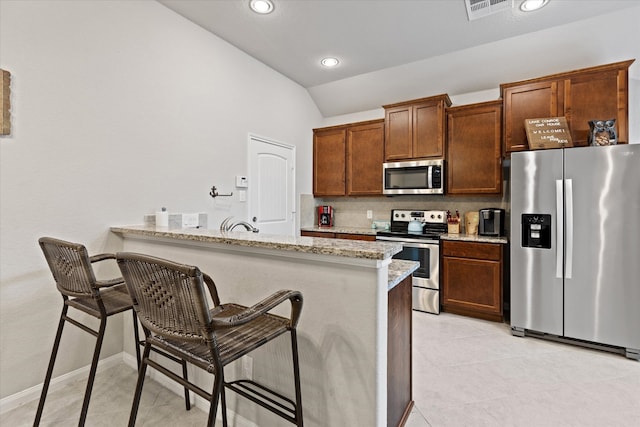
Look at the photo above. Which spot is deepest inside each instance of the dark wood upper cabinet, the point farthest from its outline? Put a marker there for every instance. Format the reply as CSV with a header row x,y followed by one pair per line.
x,y
329,161
347,159
415,129
474,147
580,96
365,155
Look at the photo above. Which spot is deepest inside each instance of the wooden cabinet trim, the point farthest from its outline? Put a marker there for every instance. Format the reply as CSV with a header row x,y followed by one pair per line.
x,y
568,74
430,99
347,125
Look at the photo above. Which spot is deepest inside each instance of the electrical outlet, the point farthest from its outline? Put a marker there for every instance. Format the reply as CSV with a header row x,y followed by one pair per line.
x,y
369,214
247,367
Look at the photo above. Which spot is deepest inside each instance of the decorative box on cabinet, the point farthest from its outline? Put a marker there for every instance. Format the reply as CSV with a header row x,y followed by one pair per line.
x,y
415,129
347,159
474,147
587,94
472,279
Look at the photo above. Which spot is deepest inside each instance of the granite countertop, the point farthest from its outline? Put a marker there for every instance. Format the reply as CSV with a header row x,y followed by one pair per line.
x,y
347,230
315,245
474,238
373,231
399,270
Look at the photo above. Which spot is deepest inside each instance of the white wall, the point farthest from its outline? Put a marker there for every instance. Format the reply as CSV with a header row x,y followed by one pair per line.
x,y
118,108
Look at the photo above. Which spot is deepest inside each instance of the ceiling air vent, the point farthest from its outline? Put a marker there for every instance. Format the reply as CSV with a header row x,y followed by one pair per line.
x,y
481,8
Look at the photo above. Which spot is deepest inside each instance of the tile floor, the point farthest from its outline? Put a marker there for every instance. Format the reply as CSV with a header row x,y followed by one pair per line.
x,y
467,372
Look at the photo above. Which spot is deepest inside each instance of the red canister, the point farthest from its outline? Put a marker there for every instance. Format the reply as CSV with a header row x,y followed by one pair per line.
x,y
325,216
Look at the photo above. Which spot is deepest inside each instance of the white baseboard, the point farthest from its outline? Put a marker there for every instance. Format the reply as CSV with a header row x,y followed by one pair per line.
x,y
33,393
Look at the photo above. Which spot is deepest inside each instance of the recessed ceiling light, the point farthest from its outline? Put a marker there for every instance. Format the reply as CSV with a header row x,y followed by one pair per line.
x,y
531,5
330,62
261,6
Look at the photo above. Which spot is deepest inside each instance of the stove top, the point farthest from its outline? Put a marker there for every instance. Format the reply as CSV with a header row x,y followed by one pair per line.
x,y
434,223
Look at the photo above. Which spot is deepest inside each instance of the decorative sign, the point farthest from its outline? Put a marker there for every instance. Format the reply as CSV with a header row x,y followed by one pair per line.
x,y
552,132
5,118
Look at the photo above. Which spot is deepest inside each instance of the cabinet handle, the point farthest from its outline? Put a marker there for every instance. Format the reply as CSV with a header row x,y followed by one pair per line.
x,y
559,228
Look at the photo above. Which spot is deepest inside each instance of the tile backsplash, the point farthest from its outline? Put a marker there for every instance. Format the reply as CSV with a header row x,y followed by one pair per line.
x,y
352,211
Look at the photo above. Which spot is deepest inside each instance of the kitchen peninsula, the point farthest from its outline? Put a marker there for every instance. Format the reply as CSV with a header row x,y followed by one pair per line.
x,y
355,329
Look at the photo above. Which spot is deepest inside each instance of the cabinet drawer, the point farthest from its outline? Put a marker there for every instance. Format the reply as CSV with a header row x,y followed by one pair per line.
x,y
348,236
487,251
324,234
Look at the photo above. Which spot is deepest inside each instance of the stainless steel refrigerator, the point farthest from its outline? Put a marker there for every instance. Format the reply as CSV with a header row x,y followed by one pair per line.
x,y
575,245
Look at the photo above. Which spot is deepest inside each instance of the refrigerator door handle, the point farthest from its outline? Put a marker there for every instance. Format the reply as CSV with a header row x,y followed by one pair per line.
x,y
559,228
569,226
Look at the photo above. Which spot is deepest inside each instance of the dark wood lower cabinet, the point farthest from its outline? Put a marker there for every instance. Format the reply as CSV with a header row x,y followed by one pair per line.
x,y
472,279
399,344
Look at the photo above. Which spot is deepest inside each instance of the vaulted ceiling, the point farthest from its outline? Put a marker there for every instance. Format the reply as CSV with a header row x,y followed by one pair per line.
x,y
392,50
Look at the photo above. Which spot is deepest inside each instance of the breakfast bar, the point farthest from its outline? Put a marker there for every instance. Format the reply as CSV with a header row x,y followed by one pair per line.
x,y
354,333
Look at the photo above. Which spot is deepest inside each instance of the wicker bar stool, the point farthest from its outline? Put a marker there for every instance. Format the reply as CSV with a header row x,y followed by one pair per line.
x,y
173,308
72,271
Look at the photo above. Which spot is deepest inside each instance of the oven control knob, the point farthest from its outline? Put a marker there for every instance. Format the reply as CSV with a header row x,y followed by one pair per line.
x,y
432,216
402,215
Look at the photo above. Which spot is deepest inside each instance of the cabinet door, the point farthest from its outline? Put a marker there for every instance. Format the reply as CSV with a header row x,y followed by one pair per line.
x,y
398,139
596,96
329,158
528,101
474,142
428,130
365,155
472,285
472,279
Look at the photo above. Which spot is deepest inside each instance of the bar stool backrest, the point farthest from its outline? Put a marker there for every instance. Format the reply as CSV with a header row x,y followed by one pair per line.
x,y
70,265
169,298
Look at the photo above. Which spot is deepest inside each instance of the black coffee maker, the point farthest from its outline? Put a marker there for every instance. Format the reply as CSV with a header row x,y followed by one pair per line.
x,y
491,222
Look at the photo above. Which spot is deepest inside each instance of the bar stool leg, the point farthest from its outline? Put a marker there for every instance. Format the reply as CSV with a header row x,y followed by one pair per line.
x,y
223,399
218,385
92,371
187,400
141,373
52,361
136,335
296,377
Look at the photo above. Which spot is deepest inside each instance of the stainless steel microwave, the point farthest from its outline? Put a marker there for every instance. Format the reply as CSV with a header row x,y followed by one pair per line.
x,y
413,177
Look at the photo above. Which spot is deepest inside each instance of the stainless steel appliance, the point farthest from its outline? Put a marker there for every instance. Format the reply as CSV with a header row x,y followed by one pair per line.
x,y
413,177
422,244
575,240
491,222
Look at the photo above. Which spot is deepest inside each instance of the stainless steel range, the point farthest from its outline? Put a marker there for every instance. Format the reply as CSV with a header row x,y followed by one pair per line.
x,y
419,231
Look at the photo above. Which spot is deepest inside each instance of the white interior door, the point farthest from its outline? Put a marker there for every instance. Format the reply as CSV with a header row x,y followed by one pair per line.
x,y
271,186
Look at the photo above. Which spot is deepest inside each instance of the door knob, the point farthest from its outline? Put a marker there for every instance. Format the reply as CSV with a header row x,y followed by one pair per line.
x,y
254,219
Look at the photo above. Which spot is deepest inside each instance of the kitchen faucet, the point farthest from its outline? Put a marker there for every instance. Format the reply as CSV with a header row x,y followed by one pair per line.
x,y
228,225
